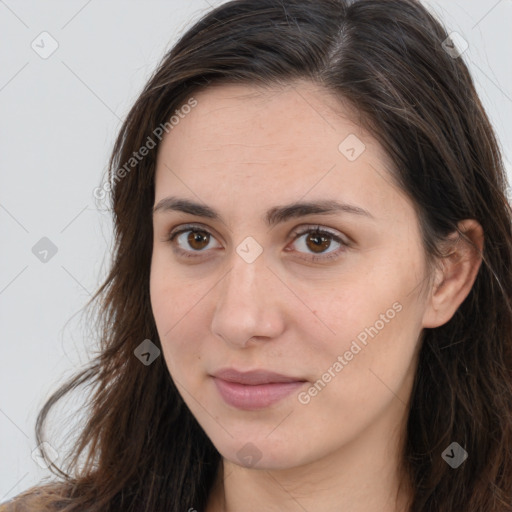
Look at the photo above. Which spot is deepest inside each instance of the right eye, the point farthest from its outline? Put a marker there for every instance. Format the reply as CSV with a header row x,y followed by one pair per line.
x,y
191,239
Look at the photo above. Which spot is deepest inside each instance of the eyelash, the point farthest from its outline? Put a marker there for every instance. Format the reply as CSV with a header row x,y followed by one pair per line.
x,y
317,230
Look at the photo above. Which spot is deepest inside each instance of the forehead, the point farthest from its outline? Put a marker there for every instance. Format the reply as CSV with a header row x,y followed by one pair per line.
x,y
289,141
301,118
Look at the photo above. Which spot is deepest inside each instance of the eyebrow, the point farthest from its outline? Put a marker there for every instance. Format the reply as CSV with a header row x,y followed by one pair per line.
x,y
273,216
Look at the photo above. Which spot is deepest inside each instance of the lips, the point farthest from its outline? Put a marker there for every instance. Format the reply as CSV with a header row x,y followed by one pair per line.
x,y
254,389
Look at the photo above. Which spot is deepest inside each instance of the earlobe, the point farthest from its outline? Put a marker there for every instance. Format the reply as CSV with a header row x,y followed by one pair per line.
x,y
456,273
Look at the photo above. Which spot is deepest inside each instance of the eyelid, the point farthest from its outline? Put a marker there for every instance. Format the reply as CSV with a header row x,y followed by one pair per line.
x,y
189,227
307,228
192,227
299,230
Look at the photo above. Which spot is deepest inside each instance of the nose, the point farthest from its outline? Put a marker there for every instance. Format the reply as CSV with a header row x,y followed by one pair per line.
x,y
248,307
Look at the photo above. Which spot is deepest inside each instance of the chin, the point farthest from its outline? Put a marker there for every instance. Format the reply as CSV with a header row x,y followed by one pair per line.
x,y
263,453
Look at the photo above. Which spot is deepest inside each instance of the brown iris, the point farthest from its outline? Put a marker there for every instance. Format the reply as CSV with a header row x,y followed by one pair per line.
x,y
319,242
198,237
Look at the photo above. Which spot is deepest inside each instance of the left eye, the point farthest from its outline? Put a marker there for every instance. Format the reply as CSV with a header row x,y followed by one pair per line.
x,y
317,240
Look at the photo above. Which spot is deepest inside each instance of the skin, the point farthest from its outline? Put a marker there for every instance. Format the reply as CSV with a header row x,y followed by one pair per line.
x,y
242,151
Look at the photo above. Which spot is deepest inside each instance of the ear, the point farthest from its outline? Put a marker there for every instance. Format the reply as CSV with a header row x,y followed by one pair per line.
x,y
456,275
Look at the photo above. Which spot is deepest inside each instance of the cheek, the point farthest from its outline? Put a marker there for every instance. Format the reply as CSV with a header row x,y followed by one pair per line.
x,y
178,305
372,315
377,322
363,331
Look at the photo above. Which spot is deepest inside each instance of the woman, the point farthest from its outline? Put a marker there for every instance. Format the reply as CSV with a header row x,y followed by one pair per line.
x,y
309,306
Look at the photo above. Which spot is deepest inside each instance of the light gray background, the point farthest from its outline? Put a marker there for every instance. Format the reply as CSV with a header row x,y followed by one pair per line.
x,y
59,117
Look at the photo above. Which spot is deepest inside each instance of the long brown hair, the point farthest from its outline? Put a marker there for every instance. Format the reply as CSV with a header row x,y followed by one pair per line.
x,y
140,448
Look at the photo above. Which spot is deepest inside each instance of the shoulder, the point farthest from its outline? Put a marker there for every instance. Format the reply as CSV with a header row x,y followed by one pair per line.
x,y
36,499
22,503
17,504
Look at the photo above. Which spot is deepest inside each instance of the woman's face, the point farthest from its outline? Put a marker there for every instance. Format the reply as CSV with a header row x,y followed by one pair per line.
x,y
246,285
